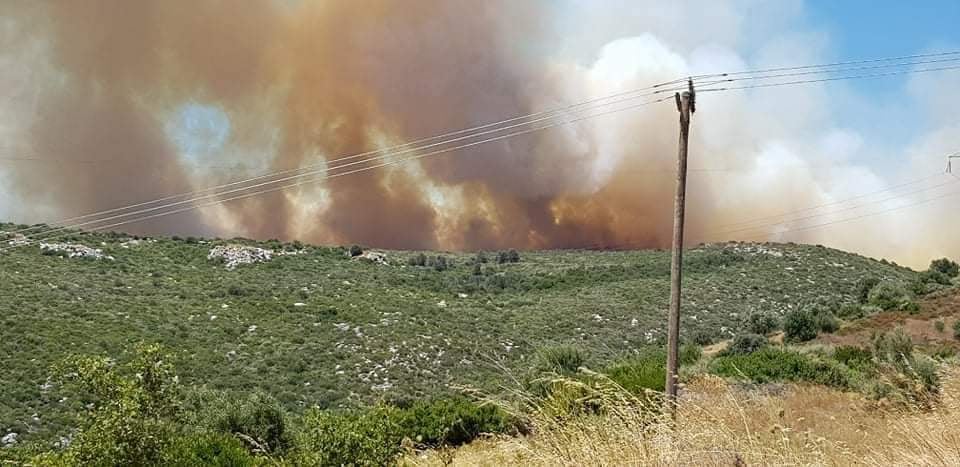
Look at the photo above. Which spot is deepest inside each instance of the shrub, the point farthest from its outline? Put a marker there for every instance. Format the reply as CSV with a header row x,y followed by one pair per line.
x,y
857,358
762,323
863,288
935,276
956,330
259,418
418,259
130,421
773,364
746,344
690,354
938,325
509,256
481,258
638,375
356,250
825,321
850,311
450,421
368,437
907,376
946,267
562,359
209,449
439,263
799,326
703,337
888,296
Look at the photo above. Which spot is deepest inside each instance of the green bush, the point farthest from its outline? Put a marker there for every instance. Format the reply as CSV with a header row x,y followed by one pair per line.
x,y
934,276
799,326
938,325
746,344
946,267
418,259
259,418
509,256
134,403
825,321
851,311
773,364
439,262
703,337
209,449
638,374
863,288
854,357
450,422
889,296
356,250
956,330
369,437
562,359
690,354
762,323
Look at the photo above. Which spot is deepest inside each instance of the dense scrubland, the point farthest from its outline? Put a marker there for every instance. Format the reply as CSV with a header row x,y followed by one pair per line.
x,y
155,351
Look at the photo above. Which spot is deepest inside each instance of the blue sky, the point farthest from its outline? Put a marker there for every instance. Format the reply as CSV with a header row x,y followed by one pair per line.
x,y
860,28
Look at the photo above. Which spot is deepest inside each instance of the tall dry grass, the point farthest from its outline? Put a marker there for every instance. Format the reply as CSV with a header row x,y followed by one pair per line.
x,y
723,425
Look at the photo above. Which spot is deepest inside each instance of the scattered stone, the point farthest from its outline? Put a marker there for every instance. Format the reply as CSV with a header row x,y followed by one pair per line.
x,y
462,295
73,250
373,257
252,328
9,439
18,240
442,304
235,255
299,304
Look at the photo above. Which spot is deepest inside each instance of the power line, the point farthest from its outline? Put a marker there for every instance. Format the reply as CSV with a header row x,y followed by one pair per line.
x,y
836,78
833,203
329,176
825,72
850,208
825,224
317,168
827,65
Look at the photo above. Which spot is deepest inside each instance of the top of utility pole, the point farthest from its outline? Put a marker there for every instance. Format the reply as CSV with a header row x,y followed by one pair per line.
x,y
691,96
949,160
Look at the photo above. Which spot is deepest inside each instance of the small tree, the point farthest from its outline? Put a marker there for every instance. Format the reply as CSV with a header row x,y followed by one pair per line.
x,y
799,326
863,288
747,343
355,250
946,267
761,322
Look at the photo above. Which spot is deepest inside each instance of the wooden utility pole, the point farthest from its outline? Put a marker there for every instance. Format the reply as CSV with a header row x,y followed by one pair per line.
x,y
686,104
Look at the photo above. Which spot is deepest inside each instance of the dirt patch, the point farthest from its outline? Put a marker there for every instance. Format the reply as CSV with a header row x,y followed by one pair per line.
x,y
920,326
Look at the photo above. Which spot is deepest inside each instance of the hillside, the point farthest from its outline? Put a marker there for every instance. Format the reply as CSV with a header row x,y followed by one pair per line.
x,y
315,327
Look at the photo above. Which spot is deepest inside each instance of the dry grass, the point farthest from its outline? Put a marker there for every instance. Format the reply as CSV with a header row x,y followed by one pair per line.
x,y
720,424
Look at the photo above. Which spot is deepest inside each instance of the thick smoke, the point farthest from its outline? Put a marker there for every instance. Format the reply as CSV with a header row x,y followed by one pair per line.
x,y
304,82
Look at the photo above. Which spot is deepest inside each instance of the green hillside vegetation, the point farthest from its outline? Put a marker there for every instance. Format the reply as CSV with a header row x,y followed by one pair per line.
x,y
319,329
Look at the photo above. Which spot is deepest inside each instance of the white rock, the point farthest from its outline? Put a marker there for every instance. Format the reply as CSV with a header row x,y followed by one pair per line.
x,y
74,250
235,255
9,439
442,304
299,304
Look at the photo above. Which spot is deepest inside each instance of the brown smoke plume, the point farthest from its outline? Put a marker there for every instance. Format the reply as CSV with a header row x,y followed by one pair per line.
x,y
301,82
